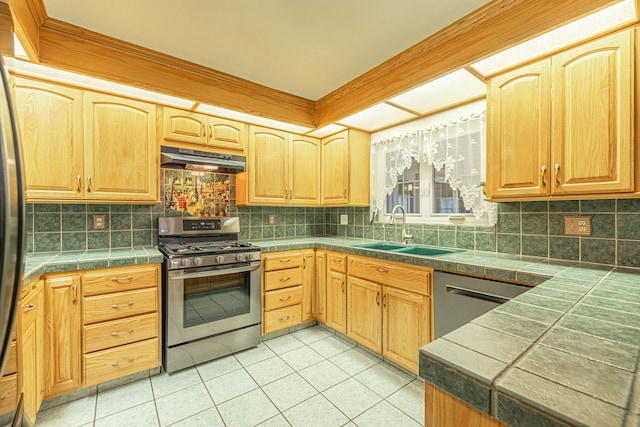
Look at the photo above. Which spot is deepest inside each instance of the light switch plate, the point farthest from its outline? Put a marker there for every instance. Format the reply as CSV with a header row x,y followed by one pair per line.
x,y
344,219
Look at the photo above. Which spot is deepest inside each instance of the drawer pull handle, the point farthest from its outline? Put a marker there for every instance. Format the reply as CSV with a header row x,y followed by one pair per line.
x,y
282,319
382,270
129,304
116,364
30,307
286,299
285,260
115,334
120,279
337,260
284,279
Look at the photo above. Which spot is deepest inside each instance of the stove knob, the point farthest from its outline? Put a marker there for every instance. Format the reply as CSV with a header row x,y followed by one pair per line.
x,y
198,261
240,257
219,259
186,262
248,256
174,263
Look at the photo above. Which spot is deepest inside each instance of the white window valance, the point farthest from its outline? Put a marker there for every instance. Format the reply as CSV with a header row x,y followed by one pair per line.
x,y
456,146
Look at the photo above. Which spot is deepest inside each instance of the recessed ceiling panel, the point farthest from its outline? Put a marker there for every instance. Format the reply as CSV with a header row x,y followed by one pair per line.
x,y
326,131
451,89
377,117
248,118
304,47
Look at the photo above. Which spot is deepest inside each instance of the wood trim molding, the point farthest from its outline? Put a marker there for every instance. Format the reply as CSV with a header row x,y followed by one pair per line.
x,y
79,50
28,17
497,25
6,30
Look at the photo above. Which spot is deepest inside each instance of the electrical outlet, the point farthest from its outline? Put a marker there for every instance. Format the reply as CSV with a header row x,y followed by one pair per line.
x,y
272,219
99,222
344,219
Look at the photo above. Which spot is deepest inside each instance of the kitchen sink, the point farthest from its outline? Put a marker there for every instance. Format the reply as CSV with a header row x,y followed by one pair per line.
x,y
381,246
426,250
410,250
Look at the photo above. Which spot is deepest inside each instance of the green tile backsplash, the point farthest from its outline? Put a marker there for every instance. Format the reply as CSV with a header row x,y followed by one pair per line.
x,y
524,228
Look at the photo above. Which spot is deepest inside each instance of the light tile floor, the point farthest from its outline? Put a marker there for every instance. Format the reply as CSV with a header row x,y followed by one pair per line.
x,y
307,378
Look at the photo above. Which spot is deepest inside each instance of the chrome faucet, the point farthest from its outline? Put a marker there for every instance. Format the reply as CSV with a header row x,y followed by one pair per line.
x,y
405,237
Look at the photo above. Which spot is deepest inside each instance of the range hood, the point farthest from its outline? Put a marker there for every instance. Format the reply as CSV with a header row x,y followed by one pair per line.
x,y
202,161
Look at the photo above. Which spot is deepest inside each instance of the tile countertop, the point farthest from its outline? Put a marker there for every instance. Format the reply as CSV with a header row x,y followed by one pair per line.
x,y
564,353
37,264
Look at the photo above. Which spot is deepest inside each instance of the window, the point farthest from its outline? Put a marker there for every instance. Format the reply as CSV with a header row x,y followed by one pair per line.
x,y
433,173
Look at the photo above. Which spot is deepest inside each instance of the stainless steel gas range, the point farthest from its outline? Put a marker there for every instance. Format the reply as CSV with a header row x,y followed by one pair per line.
x,y
211,290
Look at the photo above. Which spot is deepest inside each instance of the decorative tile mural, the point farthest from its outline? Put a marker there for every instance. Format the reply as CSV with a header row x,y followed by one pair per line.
x,y
195,193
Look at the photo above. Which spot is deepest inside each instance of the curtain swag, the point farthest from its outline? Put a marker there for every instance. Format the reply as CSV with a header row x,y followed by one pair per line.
x,y
455,146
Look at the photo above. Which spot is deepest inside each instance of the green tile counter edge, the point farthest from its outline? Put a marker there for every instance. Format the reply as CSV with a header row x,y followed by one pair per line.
x,y
512,378
35,265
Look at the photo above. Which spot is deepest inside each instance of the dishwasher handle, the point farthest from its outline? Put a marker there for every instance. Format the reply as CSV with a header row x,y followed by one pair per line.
x,y
475,294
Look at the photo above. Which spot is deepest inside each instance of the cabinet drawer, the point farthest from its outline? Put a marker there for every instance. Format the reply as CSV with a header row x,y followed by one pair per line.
x,y
11,365
411,279
120,361
8,393
278,262
282,318
337,262
282,278
119,279
282,297
118,305
105,335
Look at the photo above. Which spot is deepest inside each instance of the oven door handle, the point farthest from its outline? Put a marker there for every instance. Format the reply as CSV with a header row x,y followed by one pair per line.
x,y
217,272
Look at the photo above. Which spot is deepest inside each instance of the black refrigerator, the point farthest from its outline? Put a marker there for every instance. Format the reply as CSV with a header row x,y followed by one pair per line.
x,y
12,220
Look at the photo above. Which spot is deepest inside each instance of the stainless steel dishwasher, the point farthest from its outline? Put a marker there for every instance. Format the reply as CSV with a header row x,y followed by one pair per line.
x,y
459,299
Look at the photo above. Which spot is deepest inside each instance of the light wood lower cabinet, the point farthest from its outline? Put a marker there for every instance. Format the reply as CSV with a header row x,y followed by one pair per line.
x,y
62,349
337,292
444,410
308,285
320,303
30,338
389,308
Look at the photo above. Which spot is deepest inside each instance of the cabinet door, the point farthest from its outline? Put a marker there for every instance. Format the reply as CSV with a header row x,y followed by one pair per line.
x,y
405,326
31,346
337,301
518,133
62,335
267,168
50,122
364,313
121,155
335,169
305,170
321,287
591,121
185,126
308,285
228,134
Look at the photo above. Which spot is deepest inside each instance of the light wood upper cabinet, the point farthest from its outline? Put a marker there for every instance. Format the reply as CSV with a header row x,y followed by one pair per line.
x,y
519,132
196,128
591,123
282,169
345,168
50,123
121,151
62,347
563,126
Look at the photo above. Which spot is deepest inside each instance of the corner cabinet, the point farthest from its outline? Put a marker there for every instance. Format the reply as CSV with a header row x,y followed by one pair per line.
x,y
282,168
195,128
345,168
86,146
563,126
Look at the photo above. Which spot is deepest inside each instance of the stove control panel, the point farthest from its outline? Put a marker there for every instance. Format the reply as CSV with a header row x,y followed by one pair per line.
x,y
183,262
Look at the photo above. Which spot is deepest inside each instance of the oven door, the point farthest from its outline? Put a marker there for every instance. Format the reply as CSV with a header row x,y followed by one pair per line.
x,y
202,302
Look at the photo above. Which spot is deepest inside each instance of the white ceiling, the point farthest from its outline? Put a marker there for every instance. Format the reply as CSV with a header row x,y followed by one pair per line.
x,y
304,47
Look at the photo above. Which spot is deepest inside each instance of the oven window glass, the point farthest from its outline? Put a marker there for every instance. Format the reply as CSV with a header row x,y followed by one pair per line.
x,y
208,299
